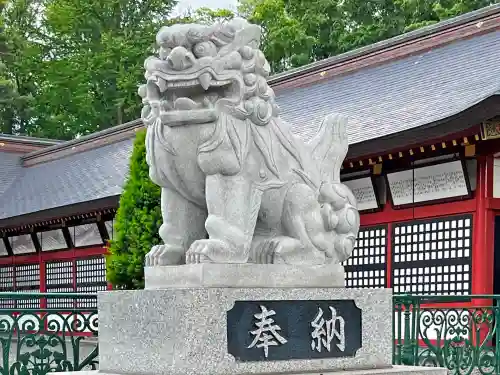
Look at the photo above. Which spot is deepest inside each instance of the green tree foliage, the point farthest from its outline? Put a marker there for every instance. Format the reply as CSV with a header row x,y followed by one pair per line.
x,y
19,57
297,32
136,223
97,62
208,16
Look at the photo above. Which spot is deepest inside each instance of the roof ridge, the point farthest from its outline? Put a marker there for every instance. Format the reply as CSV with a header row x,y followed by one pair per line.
x,y
388,43
29,140
103,134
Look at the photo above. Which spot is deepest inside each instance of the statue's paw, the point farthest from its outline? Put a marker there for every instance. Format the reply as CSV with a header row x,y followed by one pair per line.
x,y
348,220
163,255
203,251
150,259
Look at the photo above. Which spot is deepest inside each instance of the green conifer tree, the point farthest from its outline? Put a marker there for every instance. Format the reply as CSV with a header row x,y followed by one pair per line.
x,y
136,223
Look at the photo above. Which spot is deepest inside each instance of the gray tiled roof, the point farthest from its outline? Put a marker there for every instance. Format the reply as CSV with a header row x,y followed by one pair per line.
x,y
10,169
77,178
380,101
402,94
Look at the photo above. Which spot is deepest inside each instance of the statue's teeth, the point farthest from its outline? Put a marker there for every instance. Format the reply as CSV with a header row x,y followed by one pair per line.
x,y
221,83
204,80
176,84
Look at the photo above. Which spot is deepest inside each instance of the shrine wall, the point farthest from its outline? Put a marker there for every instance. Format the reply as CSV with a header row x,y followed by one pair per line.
x,y
416,228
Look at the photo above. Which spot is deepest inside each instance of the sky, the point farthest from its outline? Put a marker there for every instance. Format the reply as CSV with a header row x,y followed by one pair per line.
x,y
214,4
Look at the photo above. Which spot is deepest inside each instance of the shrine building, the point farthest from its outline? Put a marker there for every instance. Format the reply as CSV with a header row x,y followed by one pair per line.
x,y
423,163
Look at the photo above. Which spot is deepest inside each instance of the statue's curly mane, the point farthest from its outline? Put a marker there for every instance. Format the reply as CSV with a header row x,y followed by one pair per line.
x,y
258,104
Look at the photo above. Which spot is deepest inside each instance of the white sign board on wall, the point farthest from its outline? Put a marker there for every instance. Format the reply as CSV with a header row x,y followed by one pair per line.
x,y
496,177
364,192
434,182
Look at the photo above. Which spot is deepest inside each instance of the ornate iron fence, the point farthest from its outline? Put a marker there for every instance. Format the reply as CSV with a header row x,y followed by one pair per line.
x,y
41,333
47,332
456,332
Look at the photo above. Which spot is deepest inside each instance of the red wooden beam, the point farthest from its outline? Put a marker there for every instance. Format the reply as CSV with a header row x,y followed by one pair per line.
x,y
45,256
493,204
390,215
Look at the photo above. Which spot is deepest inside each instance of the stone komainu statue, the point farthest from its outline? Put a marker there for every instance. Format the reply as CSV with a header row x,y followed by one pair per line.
x,y
237,186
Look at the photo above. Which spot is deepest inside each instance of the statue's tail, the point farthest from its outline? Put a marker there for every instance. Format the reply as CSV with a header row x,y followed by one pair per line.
x,y
329,146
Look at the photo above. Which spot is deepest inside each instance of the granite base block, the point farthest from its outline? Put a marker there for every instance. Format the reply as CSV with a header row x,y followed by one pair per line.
x,y
244,275
394,370
184,331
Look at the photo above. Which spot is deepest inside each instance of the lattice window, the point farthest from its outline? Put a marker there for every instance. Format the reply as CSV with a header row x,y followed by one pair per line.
x,y
7,278
366,268
28,281
7,285
90,278
59,279
433,256
52,240
86,235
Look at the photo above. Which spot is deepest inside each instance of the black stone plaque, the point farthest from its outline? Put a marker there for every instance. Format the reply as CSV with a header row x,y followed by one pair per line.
x,y
283,330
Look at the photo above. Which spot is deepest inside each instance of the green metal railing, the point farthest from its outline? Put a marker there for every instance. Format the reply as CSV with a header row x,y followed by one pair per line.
x,y
459,333
41,333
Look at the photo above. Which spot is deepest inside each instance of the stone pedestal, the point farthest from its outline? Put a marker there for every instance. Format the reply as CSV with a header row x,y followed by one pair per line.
x,y
184,331
197,326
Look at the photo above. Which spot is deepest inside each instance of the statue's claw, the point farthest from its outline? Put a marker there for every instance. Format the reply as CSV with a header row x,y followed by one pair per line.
x,y
149,259
163,255
204,251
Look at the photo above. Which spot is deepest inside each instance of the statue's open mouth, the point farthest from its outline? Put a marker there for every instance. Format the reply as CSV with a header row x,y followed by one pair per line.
x,y
194,100
194,94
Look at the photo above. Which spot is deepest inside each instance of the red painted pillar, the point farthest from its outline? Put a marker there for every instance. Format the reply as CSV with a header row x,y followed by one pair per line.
x,y
483,232
388,255
43,282
483,237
